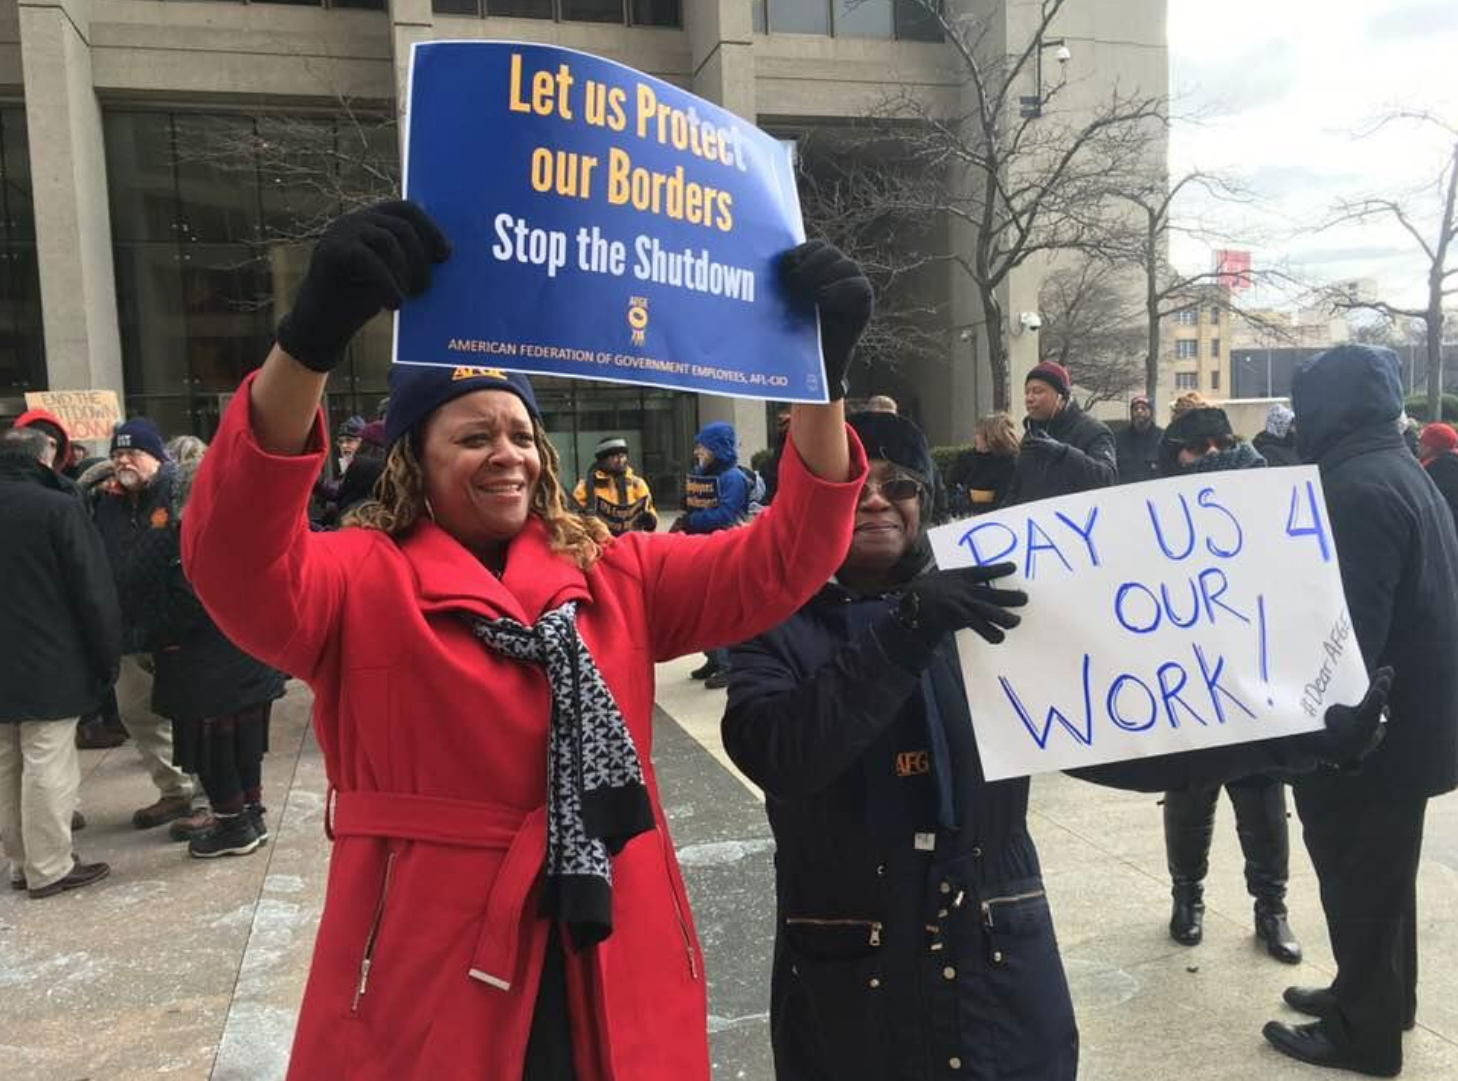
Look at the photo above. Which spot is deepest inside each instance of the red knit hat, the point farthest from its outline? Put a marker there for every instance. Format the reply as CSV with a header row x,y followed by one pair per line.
x,y
1440,436
1055,375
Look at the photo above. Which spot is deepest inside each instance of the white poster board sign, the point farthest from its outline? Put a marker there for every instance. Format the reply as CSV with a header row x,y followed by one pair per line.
x,y
1162,617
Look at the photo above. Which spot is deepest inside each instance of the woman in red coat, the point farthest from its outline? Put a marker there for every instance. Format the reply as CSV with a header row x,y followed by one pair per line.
x,y
503,899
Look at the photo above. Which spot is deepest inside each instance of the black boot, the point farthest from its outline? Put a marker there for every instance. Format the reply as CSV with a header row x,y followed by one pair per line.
x,y
1189,821
1260,822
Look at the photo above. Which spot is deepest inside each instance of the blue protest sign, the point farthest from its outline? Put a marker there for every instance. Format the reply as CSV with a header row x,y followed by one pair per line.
x,y
604,225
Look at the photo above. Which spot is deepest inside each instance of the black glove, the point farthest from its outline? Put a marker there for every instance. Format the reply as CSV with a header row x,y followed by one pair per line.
x,y
820,273
366,261
941,602
1039,444
1352,732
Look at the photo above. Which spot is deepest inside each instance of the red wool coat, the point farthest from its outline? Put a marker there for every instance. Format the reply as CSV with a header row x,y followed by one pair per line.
x,y
430,949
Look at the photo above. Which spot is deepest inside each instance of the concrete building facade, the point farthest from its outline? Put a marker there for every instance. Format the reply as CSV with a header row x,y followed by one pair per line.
x,y
125,266
1197,344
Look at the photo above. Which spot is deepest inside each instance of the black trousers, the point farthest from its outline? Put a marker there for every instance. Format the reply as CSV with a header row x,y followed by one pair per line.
x,y
549,1047
1365,845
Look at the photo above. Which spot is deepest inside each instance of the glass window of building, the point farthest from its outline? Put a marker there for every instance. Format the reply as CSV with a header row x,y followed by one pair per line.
x,y
22,340
656,13
1187,349
1187,380
520,9
1214,347
864,19
456,7
916,22
799,16
1215,380
213,216
592,11
1187,317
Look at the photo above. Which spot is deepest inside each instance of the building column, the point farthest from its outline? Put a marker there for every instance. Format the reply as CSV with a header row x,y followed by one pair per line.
x,y
721,44
72,214
410,21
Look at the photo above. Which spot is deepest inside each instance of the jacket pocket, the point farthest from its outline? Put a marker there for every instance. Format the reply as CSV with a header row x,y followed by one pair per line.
x,y
1014,1011
685,933
831,1020
372,938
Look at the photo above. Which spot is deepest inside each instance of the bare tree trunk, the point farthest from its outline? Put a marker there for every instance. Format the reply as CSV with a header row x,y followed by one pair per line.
x,y
997,357
1151,311
1434,321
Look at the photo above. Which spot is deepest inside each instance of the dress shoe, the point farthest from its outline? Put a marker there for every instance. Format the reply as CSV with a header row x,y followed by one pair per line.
x,y
1187,921
1320,1002
165,810
718,681
704,671
1312,1001
192,825
81,874
1272,929
1310,1044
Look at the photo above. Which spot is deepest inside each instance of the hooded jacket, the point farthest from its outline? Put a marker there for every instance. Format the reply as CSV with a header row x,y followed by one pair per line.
x,y
430,949
60,629
717,495
1395,540
1086,460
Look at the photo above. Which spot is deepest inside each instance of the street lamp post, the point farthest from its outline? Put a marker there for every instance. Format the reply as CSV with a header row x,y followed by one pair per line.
x,y
1031,105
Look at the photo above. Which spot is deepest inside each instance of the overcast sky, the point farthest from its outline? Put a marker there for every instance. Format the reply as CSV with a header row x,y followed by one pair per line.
x,y
1284,87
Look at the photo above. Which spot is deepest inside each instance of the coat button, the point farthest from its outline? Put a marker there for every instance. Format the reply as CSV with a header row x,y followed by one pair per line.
x,y
997,956
873,983
941,913
976,853
880,870
954,1062
949,973
945,887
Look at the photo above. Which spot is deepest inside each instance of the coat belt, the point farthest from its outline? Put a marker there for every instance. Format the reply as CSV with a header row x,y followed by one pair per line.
x,y
522,835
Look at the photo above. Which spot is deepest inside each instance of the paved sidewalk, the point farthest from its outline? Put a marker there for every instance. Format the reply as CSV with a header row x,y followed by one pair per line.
x,y
192,970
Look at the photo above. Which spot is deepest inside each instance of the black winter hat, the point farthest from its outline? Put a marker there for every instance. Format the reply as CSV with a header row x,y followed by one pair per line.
x,y
139,433
895,439
1197,425
609,446
418,390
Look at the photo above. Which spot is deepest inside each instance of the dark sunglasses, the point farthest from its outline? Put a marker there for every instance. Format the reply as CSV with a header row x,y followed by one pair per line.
x,y
896,490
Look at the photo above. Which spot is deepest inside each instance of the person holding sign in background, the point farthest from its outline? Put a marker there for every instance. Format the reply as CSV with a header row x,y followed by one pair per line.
x,y
1394,538
504,902
715,497
1200,440
616,495
914,939
1065,450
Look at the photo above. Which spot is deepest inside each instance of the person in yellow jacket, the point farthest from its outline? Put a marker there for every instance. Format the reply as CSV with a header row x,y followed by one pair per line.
x,y
619,496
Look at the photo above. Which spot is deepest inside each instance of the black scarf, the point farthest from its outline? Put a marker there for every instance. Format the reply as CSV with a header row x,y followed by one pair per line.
x,y
596,799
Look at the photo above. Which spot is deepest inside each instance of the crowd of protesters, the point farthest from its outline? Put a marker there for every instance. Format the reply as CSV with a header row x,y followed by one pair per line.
x,y
487,905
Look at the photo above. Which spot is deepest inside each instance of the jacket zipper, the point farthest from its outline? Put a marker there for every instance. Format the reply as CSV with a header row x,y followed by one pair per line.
x,y
688,944
873,927
374,934
1008,900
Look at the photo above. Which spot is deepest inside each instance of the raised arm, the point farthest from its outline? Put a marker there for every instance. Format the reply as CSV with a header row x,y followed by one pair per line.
x,y
269,584
744,581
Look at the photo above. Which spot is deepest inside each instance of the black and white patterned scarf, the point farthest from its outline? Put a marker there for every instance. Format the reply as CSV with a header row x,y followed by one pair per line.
x,y
596,799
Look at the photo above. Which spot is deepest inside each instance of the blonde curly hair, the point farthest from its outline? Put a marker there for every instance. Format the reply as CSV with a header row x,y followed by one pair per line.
x,y
399,502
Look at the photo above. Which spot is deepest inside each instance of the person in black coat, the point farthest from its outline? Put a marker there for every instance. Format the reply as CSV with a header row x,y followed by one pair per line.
x,y
1398,550
914,940
979,479
1065,450
60,647
1438,452
218,699
1201,440
1277,442
1137,446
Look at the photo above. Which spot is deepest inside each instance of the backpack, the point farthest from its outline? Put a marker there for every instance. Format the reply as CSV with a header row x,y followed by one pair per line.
x,y
757,490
